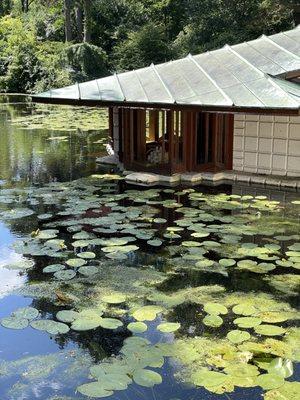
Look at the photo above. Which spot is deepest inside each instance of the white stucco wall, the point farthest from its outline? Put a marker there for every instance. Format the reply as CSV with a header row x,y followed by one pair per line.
x,y
267,144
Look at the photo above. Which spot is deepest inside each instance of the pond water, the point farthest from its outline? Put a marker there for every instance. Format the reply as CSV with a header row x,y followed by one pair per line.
x,y
114,291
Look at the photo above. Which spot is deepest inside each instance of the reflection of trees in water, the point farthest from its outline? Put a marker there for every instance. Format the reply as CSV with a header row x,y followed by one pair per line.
x,y
26,155
100,343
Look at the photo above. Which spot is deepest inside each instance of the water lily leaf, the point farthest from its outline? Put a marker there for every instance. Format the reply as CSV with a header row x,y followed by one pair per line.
x,y
50,326
212,320
53,268
75,262
88,270
242,370
269,381
146,313
269,330
168,327
137,327
86,322
94,390
26,312
244,309
247,322
14,323
155,242
275,316
237,336
86,255
215,308
227,262
67,316
65,275
147,378
47,234
288,391
189,243
281,367
114,298
209,378
204,263
110,323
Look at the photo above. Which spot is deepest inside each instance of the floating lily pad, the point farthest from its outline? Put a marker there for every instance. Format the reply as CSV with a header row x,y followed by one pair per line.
x,y
247,322
215,308
269,330
269,381
227,262
86,255
237,336
75,262
155,242
147,378
244,309
168,327
50,326
115,298
53,268
212,320
146,313
26,313
65,275
88,270
204,263
208,378
137,327
110,323
67,316
94,390
14,323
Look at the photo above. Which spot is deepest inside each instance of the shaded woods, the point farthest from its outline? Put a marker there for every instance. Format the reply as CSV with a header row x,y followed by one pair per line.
x,y
52,43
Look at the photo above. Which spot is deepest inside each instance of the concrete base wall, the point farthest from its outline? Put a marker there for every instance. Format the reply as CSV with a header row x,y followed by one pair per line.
x,y
267,144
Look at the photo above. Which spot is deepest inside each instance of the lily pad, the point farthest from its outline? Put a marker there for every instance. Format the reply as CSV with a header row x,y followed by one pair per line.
x,y
14,323
65,275
67,316
115,298
137,327
146,313
88,270
269,381
86,255
212,320
244,309
247,322
168,327
215,308
53,268
75,262
237,336
269,330
147,378
208,378
94,390
26,313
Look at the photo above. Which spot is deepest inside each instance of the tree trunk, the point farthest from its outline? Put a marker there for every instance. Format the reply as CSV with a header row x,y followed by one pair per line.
x,y
25,6
87,21
68,25
79,20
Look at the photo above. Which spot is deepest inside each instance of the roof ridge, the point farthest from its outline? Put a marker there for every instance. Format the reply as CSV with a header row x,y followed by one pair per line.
x,y
120,86
191,57
280,47
163,83
261,72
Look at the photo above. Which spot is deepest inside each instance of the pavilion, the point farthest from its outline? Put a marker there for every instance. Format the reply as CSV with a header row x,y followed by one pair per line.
x,y
235,108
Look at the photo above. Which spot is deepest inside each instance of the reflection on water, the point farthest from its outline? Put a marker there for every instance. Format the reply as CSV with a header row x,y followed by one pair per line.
x,y
176,250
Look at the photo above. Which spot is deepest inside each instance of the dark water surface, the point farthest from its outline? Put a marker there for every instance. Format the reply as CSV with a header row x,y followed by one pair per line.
x,y
40,164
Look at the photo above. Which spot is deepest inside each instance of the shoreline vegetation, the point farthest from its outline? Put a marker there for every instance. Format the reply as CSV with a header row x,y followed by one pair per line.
x,y
53,44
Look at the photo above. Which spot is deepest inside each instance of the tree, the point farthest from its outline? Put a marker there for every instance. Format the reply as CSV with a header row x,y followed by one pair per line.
x,y
143,47
87,21
68,23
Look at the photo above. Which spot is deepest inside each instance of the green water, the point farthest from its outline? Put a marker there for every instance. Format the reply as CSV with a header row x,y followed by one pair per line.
x,y
129,293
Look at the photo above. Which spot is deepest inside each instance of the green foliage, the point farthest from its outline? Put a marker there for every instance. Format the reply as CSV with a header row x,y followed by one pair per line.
x,y
143,47
125,34
86,61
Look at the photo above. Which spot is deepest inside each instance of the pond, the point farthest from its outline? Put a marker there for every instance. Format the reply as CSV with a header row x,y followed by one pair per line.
x,y
109,290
